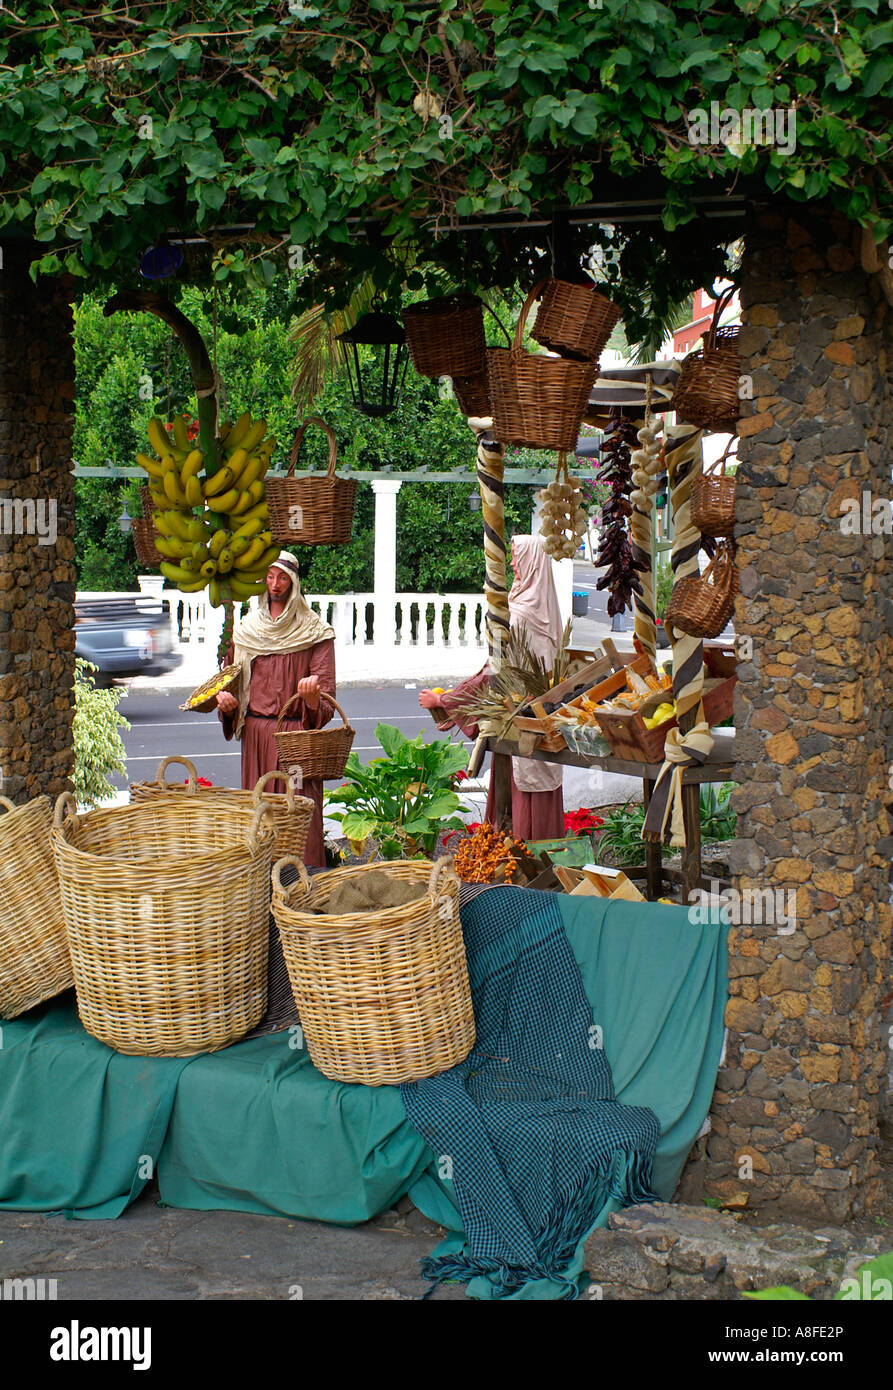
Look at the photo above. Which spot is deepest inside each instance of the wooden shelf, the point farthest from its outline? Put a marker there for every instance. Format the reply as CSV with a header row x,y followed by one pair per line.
x,y
719,767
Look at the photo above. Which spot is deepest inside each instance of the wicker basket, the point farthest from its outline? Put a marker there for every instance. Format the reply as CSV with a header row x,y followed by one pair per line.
x,y
713,498
315,753
445,336
292,814
383,996
701,605
574,319
311,511
706,393
144,533
205,702
166,909
473,395
537,401
34,960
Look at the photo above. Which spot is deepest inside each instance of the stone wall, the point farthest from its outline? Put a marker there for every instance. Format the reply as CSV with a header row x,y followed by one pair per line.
x,y
37,573
806,1059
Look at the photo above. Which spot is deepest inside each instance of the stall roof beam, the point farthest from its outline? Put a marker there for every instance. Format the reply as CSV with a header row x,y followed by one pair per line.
x,y
530,477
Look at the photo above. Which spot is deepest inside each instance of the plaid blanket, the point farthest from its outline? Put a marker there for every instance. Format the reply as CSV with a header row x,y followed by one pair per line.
x,y
527,1128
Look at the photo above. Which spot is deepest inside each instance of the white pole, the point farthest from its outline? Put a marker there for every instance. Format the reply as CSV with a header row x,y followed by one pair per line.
x,y
385,490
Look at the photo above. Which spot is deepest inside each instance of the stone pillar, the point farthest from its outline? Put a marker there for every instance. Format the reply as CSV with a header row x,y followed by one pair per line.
x,y
37,572
385,573
807,1053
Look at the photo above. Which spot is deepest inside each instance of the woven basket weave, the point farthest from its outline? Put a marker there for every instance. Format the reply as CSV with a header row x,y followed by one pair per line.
x,y
706,393
317,753
701,605
537,401
445,336
574,319
713,498
383,996
205,701
166,910
292,814
34,960
311,511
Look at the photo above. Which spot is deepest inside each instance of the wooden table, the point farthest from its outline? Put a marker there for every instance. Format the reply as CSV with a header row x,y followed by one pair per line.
x,y
719,767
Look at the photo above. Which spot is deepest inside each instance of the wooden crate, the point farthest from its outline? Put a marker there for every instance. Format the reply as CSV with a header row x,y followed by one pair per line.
x,y
626,732
535,727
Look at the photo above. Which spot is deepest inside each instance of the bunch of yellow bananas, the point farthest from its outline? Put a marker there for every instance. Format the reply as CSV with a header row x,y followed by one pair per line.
x,y
199,552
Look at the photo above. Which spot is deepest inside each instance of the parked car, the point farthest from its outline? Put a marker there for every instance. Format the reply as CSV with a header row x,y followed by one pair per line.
x,y
124,635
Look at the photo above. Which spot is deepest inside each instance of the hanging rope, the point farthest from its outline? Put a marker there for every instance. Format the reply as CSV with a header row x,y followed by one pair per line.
x,y
645,464
490,470
692,741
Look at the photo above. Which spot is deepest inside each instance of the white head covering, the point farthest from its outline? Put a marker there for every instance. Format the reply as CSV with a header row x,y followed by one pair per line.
x,y
533,606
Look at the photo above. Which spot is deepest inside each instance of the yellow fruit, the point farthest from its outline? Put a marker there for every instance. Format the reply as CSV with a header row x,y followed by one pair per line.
x,y
193,491
222,480
158,436
224,502
437,690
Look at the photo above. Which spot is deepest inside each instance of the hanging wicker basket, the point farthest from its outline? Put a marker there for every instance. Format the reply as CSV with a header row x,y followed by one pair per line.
x,y
166,910
574,319
311,511
706,393
34,960
445,336
713,498
701,605
316,753
291,814
537,401
145,533
383,996
473,395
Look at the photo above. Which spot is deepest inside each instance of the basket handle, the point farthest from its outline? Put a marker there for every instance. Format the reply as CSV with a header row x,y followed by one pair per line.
x,y
7,804
296,446
439,867
190,768
289,789
66,812
322,695
508,336
261,813
280,890
723,553
721,303
522,317
722,459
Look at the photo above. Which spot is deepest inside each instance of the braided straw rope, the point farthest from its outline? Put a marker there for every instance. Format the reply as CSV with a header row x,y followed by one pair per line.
x,y
645,468
691,742
490,469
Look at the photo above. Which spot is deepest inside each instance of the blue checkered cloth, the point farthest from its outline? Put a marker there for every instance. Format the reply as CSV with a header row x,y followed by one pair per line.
x,y
528,1127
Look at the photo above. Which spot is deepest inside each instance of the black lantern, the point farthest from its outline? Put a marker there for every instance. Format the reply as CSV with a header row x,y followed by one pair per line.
x,y
474,501
377,388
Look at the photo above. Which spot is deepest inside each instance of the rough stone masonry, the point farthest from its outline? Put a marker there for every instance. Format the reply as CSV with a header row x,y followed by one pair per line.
x,y
799,1093
37,580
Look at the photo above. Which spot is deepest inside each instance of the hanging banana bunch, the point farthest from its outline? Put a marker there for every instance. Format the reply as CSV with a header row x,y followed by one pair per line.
x,y
212,531
563,517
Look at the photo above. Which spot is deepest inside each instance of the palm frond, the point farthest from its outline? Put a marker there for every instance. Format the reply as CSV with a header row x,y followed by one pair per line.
x,y
663,327
522,676
314,336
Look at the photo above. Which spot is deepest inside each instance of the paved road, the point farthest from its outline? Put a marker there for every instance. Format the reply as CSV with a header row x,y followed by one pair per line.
x,y
160,728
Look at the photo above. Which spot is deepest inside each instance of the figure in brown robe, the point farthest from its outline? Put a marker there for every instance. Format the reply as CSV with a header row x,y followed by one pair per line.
x,y
284,649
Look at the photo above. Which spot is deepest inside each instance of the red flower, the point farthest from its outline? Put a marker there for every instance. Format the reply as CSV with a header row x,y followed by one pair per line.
x,y
460,776
582,822
202,782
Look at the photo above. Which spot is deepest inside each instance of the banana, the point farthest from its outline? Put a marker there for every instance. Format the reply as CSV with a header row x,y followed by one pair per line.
x,y
214,595
172,489
165,546
193,491
237,460
238,431
162,524
244,502
222,480
187,563
158,436
268,557
152,466
246,589
192,466
196,529
181,438
178,525
249,528
259,512
224,561
249,560
178,575
224,503
209,569
179,549
254,436
218,541
266,537
159,499
199,551
255,468
238,545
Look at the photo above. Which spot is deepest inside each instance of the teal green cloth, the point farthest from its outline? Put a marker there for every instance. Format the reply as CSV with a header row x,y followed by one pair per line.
x,y
261,1130
657,986
81,1126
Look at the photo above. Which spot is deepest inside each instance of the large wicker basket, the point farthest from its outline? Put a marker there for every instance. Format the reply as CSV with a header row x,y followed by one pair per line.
x,y
313,753
34,960
713,498
701,605
291,814
445,336
383,996
706,393
574,319
166,908
537,401
311,511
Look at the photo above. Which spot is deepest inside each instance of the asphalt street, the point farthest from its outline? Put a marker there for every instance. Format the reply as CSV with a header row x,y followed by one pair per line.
x,y
160,728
